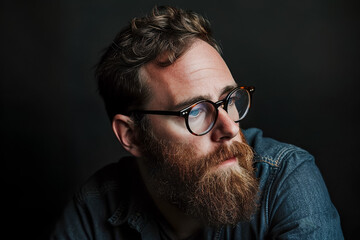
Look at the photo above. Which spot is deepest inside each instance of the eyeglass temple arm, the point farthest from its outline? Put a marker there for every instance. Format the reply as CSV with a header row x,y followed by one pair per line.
x,y
173,113
251,90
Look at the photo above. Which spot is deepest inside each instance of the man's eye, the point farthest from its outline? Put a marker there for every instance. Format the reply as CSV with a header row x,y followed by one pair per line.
x,y
195,113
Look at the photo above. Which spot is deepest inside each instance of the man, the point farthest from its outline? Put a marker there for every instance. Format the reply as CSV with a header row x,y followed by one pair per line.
x,y
193,173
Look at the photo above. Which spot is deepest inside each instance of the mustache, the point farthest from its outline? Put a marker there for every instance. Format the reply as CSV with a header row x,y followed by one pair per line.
x,y
224,153
241,151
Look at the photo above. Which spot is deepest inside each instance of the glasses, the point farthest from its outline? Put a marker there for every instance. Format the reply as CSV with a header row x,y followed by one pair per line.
x,y
201,116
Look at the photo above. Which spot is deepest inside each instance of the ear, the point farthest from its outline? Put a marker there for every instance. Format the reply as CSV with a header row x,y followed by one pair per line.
x,y
123,128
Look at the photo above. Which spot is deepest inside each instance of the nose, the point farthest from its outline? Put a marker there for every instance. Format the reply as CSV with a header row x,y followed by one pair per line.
x,y
225,128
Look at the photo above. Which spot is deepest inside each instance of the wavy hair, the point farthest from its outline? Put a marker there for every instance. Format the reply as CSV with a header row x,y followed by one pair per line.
x,y
166,31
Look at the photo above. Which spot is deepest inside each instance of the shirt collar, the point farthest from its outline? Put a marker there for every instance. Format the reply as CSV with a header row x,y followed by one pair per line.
x,y
133,210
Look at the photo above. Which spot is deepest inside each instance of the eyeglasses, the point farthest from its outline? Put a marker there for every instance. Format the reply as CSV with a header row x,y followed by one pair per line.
x,y
201,116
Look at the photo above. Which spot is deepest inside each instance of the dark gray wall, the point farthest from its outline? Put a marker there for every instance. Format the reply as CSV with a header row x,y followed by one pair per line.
x,y
303,57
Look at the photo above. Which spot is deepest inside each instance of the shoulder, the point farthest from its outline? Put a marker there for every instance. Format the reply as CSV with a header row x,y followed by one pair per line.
x,y
102,196
107,182
277,154
277,163
295,198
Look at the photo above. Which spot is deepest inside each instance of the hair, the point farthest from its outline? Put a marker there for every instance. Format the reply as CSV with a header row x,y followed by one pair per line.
x,y
166,31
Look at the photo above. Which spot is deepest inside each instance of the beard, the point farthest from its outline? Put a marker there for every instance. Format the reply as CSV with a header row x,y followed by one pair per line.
x,y
197,185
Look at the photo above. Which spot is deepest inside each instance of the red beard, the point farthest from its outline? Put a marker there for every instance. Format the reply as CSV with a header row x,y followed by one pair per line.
x,y
198,186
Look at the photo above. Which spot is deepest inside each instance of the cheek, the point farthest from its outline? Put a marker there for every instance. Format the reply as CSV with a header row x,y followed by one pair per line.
x,y
174,130
169,127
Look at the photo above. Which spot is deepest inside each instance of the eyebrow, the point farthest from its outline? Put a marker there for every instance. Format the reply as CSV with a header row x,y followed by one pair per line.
x,y
195,99
228,88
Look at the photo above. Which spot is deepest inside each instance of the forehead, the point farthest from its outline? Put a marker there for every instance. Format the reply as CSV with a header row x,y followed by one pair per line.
x,y
200,71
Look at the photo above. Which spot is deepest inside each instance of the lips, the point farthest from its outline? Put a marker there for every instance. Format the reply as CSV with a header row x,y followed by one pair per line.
x,y
228,162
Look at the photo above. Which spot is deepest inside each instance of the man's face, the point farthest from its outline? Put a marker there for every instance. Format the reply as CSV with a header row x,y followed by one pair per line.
x,y
200,73
209,176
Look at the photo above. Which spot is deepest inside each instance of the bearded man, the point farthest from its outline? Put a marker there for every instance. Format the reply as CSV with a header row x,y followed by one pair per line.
x,y
193,173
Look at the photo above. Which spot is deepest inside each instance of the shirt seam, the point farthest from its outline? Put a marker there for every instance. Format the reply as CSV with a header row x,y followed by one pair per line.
x,y
275,164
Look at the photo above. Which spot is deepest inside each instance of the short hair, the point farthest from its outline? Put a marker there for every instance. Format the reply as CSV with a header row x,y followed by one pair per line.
x,y
165,31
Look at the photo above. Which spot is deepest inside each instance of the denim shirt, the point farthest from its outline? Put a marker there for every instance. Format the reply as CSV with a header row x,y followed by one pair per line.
x,y
294,202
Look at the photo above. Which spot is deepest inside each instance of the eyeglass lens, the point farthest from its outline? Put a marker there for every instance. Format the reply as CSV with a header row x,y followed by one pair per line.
x,y
202,116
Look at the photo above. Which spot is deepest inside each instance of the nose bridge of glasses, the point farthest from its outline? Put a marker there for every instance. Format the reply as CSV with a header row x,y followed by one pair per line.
x,y
220,103
223,105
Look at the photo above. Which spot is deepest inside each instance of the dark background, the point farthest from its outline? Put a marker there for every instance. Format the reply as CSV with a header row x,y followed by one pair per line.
x,y
302,56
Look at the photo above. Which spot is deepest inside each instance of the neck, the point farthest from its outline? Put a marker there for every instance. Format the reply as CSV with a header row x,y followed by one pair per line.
x,y
182,225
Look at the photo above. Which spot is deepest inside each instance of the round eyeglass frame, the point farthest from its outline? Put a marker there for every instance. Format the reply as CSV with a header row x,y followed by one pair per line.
x,y
186,111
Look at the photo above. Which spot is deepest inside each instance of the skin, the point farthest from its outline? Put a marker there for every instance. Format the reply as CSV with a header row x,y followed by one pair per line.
x,y
199,73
